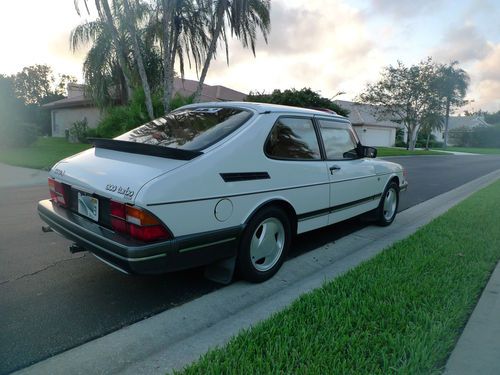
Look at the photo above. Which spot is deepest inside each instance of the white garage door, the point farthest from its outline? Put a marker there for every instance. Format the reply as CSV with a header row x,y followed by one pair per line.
x,y
377,137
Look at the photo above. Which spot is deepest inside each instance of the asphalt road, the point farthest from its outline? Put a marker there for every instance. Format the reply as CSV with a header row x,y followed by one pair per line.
x,y
51,301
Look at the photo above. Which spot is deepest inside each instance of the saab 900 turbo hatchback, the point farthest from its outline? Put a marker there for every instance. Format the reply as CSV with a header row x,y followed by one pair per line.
x,y
213,182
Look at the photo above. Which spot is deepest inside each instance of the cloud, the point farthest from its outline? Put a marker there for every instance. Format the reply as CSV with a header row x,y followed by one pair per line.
x,y
307,48
463,43
406,8
486,77
489,67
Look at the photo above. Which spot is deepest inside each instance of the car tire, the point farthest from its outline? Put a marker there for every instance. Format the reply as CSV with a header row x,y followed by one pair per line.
x,y
264,244
388,206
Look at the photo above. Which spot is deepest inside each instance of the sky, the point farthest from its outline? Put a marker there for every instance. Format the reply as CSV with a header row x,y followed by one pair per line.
x,y
330,46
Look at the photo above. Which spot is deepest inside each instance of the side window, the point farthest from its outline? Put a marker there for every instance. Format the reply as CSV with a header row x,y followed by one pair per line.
x,y
339,141
293,138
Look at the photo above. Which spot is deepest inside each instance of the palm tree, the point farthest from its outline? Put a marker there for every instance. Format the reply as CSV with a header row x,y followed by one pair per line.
x,y
453,83
108,22
182,35
244,18
429,122
130,21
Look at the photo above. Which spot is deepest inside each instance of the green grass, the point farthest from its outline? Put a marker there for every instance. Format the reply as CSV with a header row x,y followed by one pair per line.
x,y
43,154
475,150
393,151
400,312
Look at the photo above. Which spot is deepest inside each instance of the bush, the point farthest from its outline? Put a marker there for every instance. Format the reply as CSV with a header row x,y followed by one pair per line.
x,y
121,119
78,132
22,134
478,137
305,98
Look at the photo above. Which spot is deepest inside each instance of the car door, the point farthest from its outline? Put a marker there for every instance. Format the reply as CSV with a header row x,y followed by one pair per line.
x,y
354,186
295,162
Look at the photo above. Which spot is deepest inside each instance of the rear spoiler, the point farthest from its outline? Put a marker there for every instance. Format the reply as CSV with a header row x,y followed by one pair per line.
x,y
144,149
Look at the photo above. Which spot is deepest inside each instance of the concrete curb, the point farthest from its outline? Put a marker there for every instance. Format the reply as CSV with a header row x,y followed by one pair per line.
x,y
176,337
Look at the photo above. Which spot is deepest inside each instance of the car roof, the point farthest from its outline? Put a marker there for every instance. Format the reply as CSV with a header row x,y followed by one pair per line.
x,y
266,107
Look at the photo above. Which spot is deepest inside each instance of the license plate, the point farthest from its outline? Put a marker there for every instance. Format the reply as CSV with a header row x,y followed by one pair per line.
x,y
88,206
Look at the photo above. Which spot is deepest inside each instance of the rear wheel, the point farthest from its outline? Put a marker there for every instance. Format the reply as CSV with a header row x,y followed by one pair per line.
x,y
388,206
264,244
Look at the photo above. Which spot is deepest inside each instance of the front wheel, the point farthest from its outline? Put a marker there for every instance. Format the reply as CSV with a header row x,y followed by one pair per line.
x,y
264,244
388,206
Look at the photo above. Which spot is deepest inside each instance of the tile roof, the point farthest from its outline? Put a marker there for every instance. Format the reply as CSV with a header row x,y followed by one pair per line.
x,y
365,114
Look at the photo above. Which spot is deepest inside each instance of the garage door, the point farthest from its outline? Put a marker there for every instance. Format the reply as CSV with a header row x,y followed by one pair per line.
x,y
377,137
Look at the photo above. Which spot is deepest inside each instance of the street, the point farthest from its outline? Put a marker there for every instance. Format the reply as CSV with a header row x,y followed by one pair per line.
x,y
51,301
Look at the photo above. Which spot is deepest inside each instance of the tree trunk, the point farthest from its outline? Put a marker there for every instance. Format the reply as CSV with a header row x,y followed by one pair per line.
x,y
168,10
210,52
428,139
140,62
121,54
447,116
413,138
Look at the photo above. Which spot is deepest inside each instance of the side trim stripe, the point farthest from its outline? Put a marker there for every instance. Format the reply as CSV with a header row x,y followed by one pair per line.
x,y
244,176
340,207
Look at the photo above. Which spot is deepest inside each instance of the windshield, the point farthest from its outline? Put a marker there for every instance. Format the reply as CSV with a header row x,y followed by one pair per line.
x,y
189,129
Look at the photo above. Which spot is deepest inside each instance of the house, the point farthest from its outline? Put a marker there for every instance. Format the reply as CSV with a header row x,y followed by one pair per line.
x,y
460,124
371,129
77,107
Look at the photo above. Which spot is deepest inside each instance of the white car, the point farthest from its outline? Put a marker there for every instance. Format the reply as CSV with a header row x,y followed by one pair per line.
x,y
218,184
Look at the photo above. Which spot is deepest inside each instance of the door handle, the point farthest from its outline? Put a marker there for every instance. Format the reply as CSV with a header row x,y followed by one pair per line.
x,y
334,168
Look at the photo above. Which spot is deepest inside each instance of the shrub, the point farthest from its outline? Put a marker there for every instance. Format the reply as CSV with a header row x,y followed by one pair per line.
x,y
20,134
79,130
477,137
305,98
121,119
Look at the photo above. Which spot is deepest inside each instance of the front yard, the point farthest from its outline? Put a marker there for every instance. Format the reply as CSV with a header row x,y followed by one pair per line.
x,y
43,154
396,151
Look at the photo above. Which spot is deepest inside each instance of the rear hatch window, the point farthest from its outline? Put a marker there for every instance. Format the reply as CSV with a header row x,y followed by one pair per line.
x,y
189,129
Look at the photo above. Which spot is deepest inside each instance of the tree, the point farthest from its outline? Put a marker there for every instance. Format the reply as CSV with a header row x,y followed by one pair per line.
x,y
183,34
429,122
305,98
492,118
405,94
452,83
34,83
244,18
131,26
105,33
15,130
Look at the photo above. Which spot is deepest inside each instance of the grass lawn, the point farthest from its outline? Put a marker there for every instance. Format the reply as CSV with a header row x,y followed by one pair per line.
x,y
474,150
400,312
393,151
43,154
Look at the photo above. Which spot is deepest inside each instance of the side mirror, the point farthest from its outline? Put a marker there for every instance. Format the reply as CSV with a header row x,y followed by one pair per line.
x,y
369,152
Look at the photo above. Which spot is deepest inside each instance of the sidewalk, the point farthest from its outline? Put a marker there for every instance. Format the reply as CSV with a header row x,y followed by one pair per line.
x,y
16,176
478,349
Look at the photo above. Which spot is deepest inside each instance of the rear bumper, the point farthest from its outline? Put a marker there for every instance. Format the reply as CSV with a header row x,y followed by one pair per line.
x,y
403,186
136,257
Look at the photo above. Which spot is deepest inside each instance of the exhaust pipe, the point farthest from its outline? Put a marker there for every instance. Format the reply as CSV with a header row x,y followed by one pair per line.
x,y
74,248
46,229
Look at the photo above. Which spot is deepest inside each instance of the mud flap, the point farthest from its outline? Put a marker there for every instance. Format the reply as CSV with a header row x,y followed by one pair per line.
x,y
222,271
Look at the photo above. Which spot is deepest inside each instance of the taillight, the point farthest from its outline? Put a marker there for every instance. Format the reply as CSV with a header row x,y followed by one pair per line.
x,y
137,223
405,173
57,192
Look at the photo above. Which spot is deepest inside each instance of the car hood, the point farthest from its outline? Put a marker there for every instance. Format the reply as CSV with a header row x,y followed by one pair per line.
x,y
114,174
